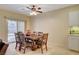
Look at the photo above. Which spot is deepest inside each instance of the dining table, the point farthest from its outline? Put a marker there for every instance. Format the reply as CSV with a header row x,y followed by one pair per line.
x,y
36,39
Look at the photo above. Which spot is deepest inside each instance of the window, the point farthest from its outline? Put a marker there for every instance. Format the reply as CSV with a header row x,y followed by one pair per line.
x,y
21,26
13,27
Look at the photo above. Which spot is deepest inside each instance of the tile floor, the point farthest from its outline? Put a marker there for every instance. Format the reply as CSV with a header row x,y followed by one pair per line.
x,y
51,51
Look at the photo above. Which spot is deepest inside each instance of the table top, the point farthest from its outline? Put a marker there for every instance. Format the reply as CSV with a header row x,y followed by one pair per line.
x,y
36,37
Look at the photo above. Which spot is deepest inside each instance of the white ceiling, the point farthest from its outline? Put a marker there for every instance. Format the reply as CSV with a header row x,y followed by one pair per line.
x,y
21,8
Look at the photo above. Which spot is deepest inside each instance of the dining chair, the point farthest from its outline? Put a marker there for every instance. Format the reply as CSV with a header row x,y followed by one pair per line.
x,y
24,43
44,40
35,32
18,41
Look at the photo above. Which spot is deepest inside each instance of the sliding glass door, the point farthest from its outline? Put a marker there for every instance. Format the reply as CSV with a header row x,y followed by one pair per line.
x,y
13,27
20,26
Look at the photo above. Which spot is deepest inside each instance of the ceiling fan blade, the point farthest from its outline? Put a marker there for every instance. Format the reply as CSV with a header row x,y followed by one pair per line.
x,y
39,8
39,11
33,8
29,8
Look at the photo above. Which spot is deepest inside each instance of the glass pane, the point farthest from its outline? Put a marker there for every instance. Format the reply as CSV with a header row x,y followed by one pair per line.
x,y
12,28
21,26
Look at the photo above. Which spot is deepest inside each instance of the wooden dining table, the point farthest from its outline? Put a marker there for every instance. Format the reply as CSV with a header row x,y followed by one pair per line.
x,y
35,39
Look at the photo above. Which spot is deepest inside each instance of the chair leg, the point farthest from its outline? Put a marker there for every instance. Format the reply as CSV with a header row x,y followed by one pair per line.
x,y
20,47
42,49
16,46
24,50
46,47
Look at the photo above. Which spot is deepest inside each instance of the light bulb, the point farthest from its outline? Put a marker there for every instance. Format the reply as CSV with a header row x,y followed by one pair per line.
x,y
33,13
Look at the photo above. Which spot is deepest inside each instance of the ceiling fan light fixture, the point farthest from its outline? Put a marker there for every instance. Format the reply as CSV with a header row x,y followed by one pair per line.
x,y
33,13
35,10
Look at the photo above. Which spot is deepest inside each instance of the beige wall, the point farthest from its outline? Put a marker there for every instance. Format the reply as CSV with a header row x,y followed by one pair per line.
x,y
55,23
3,22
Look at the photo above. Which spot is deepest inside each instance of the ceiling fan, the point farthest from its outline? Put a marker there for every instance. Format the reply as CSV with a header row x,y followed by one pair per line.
x,y
35,9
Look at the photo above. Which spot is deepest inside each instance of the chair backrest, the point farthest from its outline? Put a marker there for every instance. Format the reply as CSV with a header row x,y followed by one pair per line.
x,y
45,37
22,37
34,33
17,37
40,33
